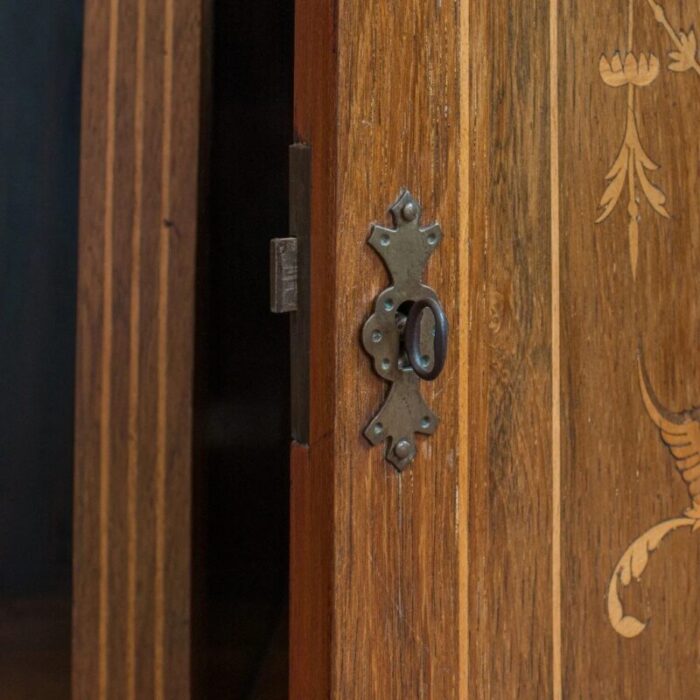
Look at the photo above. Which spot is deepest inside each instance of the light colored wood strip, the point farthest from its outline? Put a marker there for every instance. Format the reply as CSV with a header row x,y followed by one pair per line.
x,y
134,350
163,289
106,393
556,350
463,340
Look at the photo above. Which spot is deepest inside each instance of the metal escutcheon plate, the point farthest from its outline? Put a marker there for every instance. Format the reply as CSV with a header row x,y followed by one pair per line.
x,y
405,251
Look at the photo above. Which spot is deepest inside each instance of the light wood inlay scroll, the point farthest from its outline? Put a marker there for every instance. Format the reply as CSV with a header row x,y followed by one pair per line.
x,y
135,350
680,432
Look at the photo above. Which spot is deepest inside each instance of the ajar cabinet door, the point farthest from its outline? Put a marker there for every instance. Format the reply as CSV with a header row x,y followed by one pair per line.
x,y
142,94
542,543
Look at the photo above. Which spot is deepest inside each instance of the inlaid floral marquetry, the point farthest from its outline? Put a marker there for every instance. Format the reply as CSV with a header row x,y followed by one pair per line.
x,y
629,174
630,177
680,432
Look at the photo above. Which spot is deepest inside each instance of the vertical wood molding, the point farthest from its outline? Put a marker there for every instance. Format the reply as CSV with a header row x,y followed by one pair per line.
x,y
139,222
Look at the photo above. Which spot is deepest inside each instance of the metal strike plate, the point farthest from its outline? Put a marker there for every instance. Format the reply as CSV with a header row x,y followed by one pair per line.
x,y
283,275
405,250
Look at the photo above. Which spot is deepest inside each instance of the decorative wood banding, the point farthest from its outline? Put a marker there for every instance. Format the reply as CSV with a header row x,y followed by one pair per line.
x,y
139,223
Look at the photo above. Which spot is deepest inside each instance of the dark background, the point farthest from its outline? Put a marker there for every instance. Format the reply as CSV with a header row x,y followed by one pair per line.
x,y
247,357
40,55
40,70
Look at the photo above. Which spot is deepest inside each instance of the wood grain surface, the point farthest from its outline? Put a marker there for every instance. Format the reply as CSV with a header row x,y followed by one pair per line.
x,y
139,222
484,570
510,353
580,259
564,183
618,478
312,495
378,99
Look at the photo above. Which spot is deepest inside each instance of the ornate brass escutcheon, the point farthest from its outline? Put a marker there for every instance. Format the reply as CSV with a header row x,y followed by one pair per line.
x,y
406,344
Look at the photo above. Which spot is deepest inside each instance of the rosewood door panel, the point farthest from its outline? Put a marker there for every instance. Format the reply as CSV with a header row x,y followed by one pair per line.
x,y
629,148
583,239
542,545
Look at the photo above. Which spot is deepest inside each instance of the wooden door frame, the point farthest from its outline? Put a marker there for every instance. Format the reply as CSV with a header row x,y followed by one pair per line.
x,y
144,62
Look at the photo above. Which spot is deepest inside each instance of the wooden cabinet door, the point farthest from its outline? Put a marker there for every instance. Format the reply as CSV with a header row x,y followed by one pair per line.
x,y
520,555
379,566
140,163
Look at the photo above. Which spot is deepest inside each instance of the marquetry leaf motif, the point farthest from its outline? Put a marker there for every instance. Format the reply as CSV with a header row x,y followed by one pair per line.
x,y
617,177
630,166
632,162
680,432
685,57
642,162
631,566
